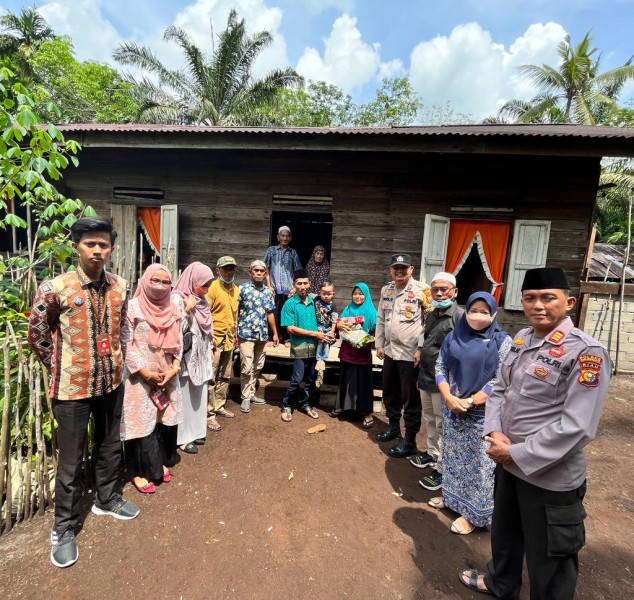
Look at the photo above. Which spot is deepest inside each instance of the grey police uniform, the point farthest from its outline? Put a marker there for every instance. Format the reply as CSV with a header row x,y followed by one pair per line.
x,y
399,322
548,402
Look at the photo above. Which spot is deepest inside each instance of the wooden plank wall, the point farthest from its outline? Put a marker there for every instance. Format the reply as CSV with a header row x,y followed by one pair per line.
x,y
379,200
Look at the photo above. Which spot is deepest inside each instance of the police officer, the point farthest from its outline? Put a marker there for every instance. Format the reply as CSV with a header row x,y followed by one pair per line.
x,y
399,323
542,412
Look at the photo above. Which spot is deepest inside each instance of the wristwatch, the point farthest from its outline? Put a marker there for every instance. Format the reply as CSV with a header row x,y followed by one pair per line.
x,y
470,401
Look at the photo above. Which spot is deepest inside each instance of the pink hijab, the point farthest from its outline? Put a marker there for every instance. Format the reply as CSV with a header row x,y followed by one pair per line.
x,y
161,315
194,276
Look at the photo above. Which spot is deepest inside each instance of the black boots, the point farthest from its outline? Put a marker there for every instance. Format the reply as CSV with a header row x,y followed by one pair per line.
x,y
393,432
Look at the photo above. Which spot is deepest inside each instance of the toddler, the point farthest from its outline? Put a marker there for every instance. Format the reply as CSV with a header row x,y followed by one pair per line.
x,y
326,321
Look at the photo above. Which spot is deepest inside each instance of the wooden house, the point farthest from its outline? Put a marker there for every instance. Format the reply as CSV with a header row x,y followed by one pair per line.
x,y
485,202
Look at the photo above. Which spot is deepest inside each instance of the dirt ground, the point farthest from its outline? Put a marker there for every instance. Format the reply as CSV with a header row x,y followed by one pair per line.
x,y
232,525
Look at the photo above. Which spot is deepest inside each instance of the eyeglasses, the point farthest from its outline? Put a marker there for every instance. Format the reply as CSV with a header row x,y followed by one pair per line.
x,y
442,290
165,282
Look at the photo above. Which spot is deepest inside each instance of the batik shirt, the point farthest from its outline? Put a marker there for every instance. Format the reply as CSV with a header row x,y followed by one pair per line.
x,y
254,304
68,313
326,314
281,264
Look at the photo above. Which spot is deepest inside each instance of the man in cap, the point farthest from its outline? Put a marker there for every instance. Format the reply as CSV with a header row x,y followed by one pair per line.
x,y
543,411
399,323
281,262
223,296
438,324
255,311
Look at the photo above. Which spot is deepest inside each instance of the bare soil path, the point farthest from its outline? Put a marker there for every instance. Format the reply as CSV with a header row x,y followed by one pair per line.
x,y
231,524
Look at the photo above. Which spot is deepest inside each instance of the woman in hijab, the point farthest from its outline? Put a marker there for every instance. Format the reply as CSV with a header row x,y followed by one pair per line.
x,y
466,370
355,383
152,405
190,295
318,269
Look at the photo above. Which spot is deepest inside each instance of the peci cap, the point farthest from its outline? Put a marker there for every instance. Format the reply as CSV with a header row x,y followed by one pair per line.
x,y
444,277
284,228
300,274
225,261
404,260
545,278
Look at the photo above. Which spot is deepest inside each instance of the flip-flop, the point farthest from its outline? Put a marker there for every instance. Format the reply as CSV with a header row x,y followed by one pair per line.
x,y
368,424
214,426
459,528
286,416
317,428
226,414
437,502
312,414
333,414
473,580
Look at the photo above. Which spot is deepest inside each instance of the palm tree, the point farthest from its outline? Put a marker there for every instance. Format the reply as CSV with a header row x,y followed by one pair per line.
x,y
23,35
574,91
211,90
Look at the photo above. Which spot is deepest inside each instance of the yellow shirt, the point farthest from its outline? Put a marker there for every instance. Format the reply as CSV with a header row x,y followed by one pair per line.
x,y
223,302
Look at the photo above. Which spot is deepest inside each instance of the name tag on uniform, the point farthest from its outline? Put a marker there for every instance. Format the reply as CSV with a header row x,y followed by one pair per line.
x,y
103,344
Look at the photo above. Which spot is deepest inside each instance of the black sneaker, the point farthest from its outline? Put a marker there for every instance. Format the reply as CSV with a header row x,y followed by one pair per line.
x,y
64,551
432,482
117,507
422,460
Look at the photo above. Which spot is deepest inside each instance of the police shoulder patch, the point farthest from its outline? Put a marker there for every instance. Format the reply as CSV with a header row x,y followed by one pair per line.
x,y
590,369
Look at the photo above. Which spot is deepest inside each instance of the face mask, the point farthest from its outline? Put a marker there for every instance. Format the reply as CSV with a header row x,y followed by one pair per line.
x,y
478,321
225,281
442,304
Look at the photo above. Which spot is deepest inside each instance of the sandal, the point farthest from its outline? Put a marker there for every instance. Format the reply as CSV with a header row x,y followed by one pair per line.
x,y
213,425
368,423
226,414
472,584
190,448
437,502
311,413
333,414
286,415
167,476
317,428
459,527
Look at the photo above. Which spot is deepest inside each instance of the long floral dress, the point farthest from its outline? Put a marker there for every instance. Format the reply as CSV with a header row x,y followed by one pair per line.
x,y
196,371
140,415
467,480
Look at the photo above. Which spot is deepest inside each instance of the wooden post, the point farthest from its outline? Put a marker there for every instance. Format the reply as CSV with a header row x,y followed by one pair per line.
x,y
39,439
626,259
29,441
5,448
583,304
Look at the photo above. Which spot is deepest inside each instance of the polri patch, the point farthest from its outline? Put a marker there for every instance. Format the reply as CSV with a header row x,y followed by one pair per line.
x,y
557,351
590,369
556,336
541,372
411,295
388,292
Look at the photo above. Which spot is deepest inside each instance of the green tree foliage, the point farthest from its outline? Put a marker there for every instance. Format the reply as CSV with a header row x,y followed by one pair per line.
x,y
218,89
575,91
395,104
23,35
85,92
611,210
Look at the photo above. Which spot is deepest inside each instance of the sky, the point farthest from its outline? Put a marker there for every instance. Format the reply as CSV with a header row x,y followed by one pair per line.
x,y
465,52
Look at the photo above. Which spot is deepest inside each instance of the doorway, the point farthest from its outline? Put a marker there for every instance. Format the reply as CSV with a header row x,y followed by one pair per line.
x,y
308,230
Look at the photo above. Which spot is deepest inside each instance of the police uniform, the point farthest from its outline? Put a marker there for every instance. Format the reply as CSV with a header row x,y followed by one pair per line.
x,y
547,401
399,322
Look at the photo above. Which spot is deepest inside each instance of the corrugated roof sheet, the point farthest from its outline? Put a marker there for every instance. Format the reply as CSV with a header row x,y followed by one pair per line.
x,y
575,131
607,263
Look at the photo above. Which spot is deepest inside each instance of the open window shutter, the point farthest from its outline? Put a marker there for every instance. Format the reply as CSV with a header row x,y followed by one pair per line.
x,y
124,256
169,238
435,239
528,251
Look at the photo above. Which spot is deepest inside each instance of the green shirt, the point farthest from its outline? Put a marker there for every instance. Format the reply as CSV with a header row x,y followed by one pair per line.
x,y
301,315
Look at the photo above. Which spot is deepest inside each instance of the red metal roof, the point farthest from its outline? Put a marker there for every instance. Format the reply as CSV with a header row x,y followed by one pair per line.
x,y
569,131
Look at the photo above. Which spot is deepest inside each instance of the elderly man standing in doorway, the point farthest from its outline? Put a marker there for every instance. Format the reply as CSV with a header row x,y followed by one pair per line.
x,y
438,324
281,262
223,298
402,307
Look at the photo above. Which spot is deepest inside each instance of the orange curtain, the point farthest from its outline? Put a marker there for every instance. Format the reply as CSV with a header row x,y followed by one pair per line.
x,y
150,219
492,238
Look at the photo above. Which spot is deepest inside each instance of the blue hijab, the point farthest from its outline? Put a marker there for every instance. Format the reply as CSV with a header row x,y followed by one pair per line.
x,y
471,356
366,309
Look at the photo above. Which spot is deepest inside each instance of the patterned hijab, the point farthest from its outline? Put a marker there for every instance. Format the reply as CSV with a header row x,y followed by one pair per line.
x,y
317,272
366,310
193,277
158,311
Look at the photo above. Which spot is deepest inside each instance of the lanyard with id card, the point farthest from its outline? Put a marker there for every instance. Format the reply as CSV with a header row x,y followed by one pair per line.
x,y
103,339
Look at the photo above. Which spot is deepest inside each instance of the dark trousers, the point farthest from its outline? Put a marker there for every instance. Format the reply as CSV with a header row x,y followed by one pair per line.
x,y
280,299
72,418
303,370
545,525
400,394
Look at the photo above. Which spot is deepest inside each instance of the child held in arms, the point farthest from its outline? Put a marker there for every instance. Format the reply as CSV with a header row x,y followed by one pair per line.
x,y
327,315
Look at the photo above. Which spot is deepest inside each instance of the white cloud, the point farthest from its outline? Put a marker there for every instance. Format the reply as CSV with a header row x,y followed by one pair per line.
x,y
476,74
318,6
348,62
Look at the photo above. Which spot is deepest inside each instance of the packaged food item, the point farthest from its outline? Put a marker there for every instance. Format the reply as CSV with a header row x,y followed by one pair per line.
x,y
356,336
